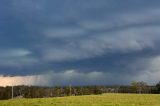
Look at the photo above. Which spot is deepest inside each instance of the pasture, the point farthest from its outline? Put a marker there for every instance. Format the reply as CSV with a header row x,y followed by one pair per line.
x,y
90,100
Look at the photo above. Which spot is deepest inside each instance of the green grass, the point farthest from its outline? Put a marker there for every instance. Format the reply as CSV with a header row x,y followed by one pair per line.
x,y
93,100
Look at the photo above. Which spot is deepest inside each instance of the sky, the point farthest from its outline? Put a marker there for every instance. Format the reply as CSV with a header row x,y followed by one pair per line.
x,y
79,42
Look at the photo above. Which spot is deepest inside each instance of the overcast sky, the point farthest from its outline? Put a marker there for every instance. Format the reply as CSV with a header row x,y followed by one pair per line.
x,y
79,42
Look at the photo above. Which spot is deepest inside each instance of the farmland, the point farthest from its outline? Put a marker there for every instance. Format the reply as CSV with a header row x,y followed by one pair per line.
x,y
90,100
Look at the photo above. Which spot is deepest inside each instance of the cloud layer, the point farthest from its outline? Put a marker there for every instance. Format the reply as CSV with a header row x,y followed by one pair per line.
x,y
117,39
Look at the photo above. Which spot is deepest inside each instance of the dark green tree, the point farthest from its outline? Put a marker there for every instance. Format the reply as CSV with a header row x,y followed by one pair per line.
x,y
158,86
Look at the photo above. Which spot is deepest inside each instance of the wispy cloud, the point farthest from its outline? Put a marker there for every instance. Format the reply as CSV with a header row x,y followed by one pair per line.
x,y
14,52
64,32
126,40
15,57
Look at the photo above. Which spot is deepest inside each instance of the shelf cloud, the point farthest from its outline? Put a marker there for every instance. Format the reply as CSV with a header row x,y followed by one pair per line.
x,y
61,42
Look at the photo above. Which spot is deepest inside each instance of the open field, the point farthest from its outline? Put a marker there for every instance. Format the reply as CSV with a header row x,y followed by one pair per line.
x,y
92,100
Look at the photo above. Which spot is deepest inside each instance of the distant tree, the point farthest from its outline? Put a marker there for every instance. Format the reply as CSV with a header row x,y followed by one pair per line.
x,y
158,86
125,89
139,87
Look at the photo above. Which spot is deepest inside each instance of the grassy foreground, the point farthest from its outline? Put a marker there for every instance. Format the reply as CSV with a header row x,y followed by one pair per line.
x,y
93,100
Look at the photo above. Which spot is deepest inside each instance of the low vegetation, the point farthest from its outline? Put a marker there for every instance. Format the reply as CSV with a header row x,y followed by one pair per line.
x,y
90,100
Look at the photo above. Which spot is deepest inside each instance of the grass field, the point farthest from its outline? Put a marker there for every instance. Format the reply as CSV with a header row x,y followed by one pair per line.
x,y
93,100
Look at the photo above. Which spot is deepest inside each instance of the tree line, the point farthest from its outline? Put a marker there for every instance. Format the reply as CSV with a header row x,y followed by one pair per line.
x,y
44,92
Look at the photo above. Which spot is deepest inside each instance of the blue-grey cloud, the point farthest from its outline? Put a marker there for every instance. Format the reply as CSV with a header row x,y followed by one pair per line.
x,y
108,37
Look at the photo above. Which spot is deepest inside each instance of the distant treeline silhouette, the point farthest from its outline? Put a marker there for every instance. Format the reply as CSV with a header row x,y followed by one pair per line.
x,y
44,92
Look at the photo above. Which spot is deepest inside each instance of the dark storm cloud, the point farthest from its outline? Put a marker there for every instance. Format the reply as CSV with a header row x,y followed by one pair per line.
x,y
80,39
